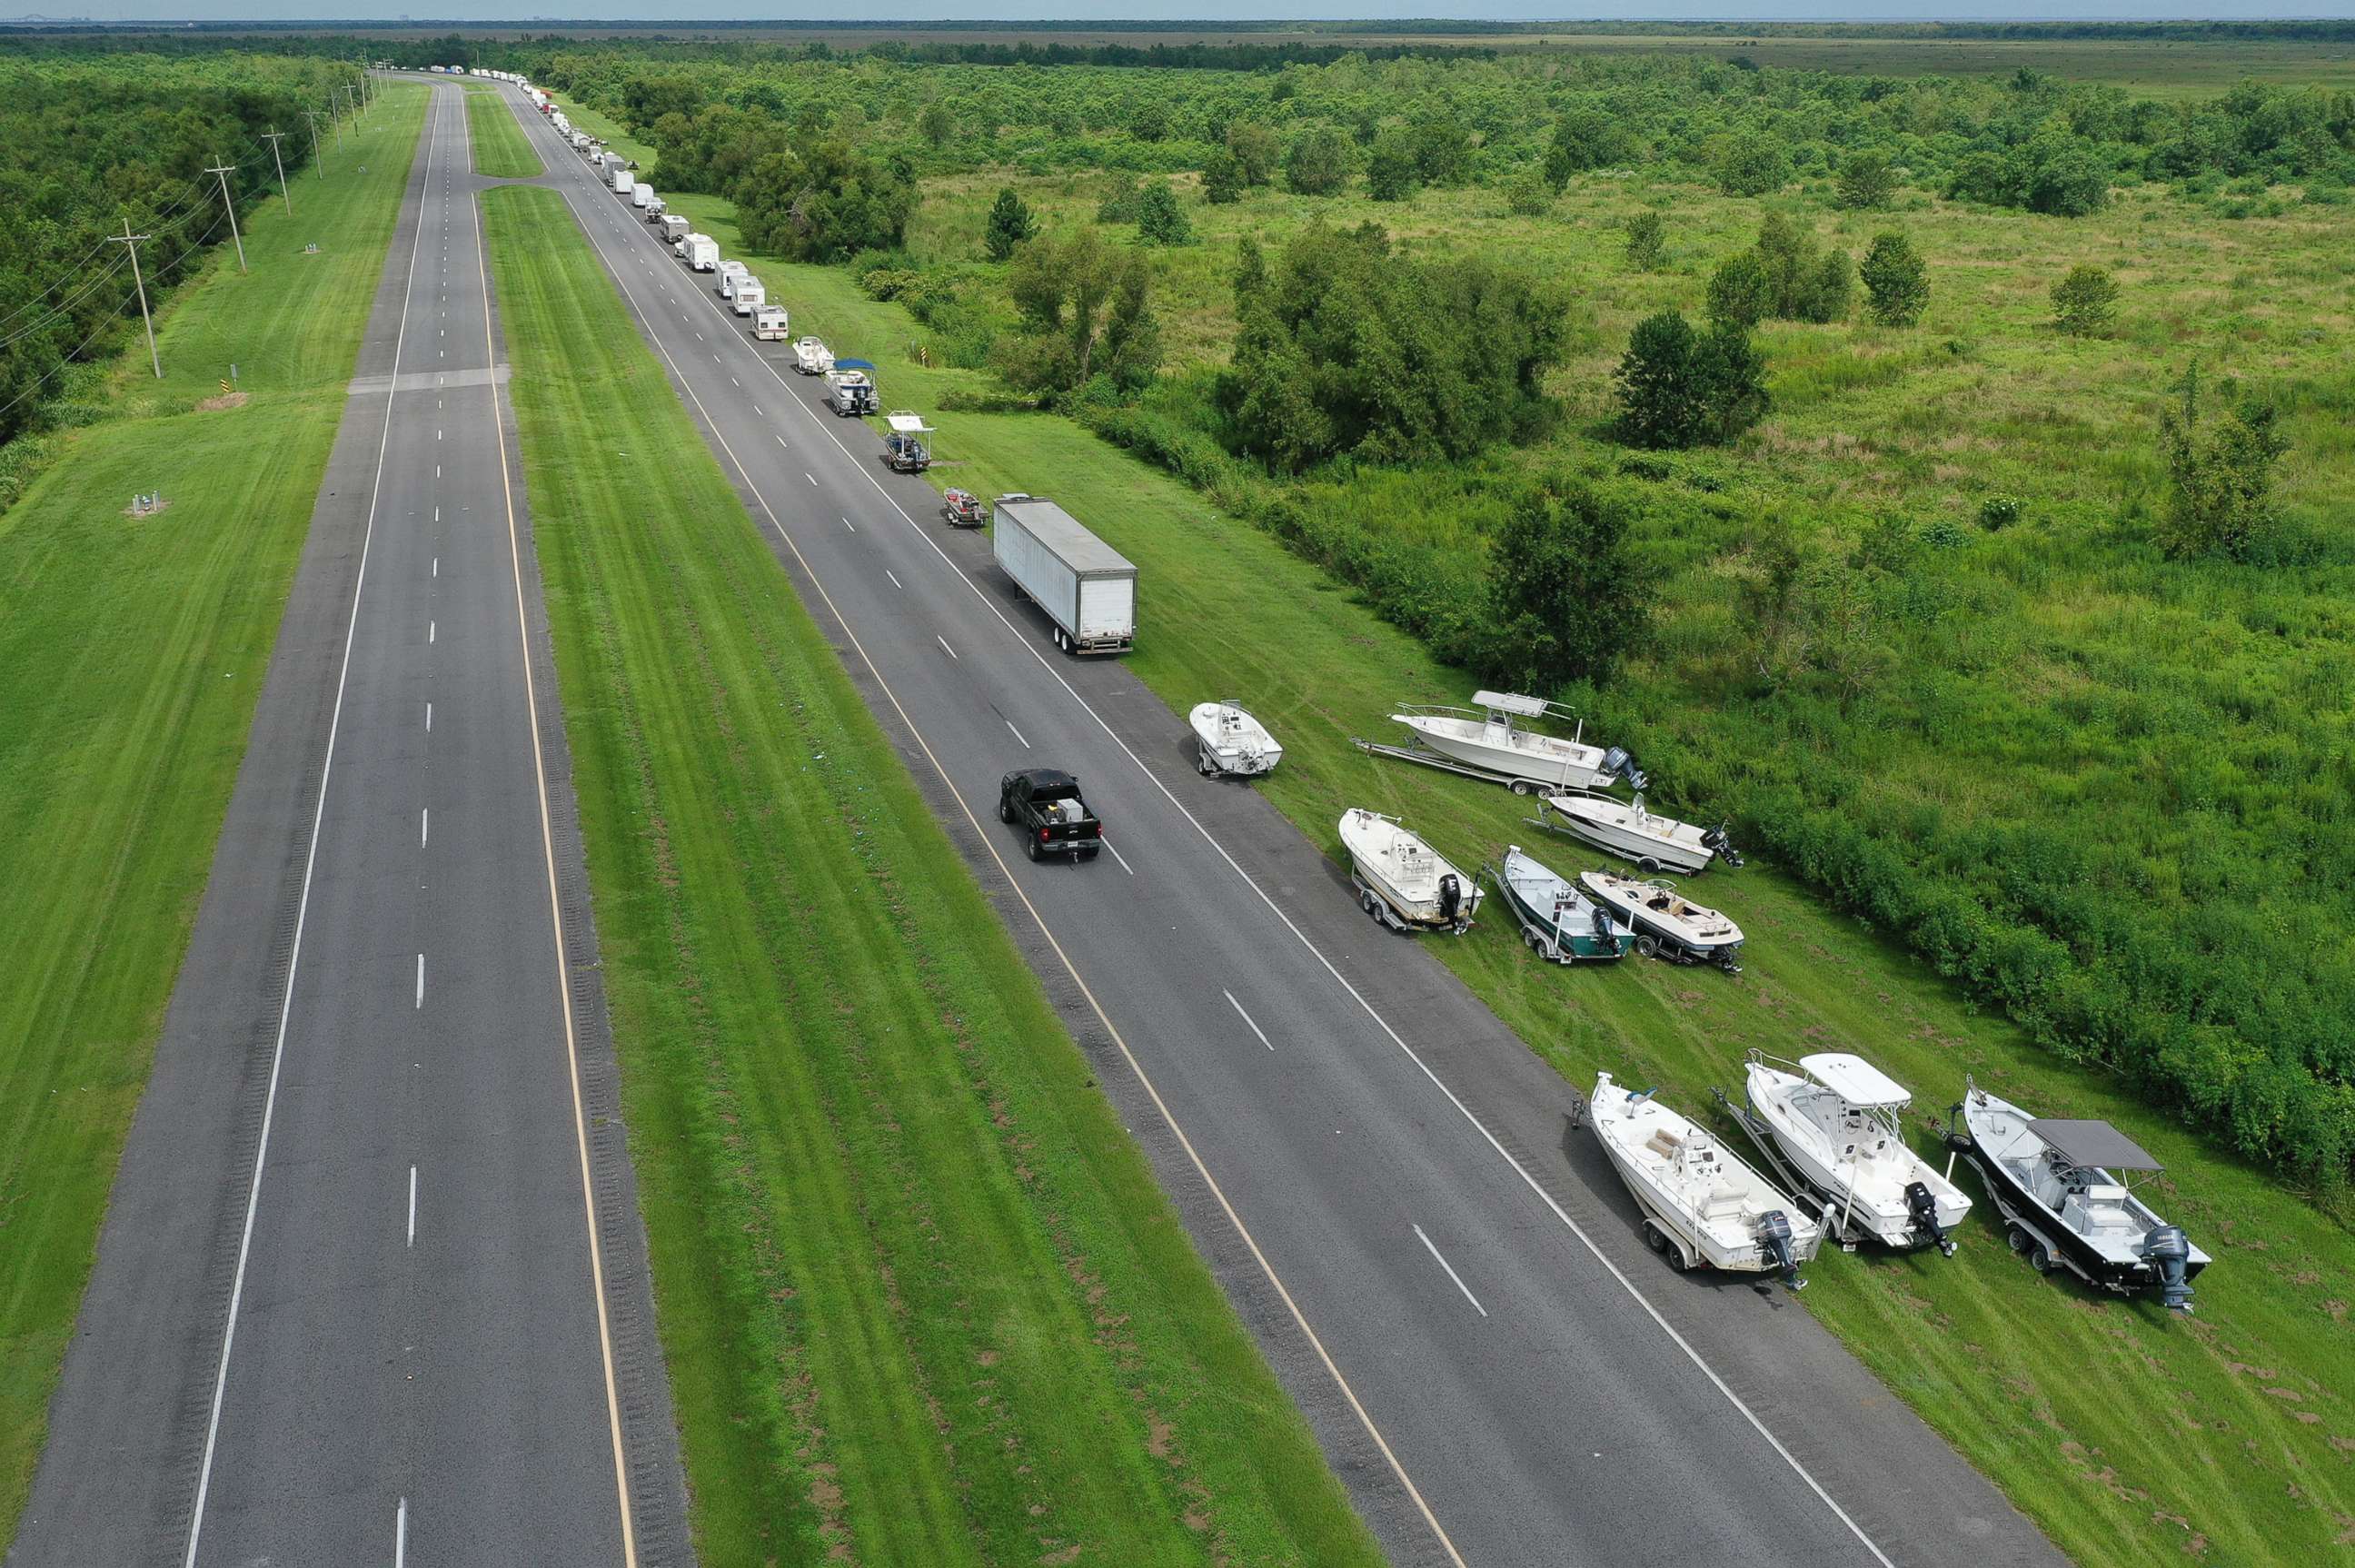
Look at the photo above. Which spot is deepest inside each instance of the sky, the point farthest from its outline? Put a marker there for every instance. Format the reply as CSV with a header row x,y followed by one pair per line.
x,y
1082,11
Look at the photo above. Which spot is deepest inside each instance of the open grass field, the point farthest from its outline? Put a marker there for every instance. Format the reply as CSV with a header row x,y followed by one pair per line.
x,y
2131,1437
922,1299
500,150
132,653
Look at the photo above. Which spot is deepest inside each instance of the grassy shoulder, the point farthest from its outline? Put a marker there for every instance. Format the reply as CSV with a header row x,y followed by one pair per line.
x,y
501,151
2128,1436
132,653
921,1297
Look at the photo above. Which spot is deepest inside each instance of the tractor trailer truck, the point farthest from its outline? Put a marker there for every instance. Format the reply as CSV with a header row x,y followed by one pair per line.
x,y
1087,588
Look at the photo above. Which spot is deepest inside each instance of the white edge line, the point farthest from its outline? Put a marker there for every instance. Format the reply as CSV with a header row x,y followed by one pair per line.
x,y
1450,1267
412,1208
303,903
1116,854
556,915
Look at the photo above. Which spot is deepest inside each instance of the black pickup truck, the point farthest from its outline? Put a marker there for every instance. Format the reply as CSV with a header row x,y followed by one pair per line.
x,y
1045,804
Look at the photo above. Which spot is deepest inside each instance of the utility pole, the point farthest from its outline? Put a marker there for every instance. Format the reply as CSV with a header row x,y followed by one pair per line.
x,y
229,202
131,239
318,163
272,136
335,122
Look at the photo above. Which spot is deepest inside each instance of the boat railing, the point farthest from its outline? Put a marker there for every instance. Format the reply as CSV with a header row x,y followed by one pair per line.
x,y
1440,711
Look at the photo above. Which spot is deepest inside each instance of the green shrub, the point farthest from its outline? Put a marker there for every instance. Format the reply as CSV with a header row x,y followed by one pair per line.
x,y
1999,511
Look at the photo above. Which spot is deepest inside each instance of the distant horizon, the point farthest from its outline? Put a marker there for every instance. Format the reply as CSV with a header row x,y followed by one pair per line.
x,y
908,12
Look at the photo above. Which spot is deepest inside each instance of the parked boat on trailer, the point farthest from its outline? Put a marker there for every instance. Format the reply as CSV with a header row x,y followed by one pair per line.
x,y
1624,828
1401,880
1493,739
1667,923
1561,925
1832,1121
2063,1190
1230,743
1702,1206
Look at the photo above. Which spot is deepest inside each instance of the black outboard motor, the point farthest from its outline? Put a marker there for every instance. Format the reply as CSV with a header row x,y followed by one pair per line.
x,y
1718,844
1924,1210
1451,898
1618,764
1604,929
1774,1240
2168,1253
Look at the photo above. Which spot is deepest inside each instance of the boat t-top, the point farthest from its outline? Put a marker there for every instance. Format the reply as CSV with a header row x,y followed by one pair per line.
x,y
1700,1203
1627,829
1667,923
1561,925
1833,1120
1228,743
1401,880
2062,1189
1497,741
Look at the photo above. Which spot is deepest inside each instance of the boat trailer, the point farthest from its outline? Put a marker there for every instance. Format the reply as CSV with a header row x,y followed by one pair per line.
x,y
1802,1191
1430,759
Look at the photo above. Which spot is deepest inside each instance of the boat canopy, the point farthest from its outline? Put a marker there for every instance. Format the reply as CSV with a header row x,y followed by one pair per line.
x,y
1855,1080
2088,1144
902,420
1512,702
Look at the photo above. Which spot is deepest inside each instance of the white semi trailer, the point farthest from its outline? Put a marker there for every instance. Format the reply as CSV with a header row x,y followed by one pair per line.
x,y
1087,588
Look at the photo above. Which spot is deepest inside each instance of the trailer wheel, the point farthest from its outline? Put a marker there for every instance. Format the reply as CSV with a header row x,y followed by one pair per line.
x,y
1655,1238
1648,866
2015,1236
1678,1262
1522,786
1648,944
2040,1258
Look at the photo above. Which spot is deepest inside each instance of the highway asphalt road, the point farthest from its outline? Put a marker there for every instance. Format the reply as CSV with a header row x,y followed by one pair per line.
x,y
348,1307
1448,1280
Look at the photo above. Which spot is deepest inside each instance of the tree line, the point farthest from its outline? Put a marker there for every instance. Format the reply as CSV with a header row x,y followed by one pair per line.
x,y
90,140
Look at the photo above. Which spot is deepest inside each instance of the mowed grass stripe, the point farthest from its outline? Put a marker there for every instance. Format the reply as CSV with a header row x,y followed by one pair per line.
x,y
500,150
132,653
921,1297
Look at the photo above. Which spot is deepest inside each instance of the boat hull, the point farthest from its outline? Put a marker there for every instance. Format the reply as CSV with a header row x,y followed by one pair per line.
x,y
1562,938
1247,750
1666,938
1570,766
1373,842
1650,852
2029,1217
1622,1128
1864,1198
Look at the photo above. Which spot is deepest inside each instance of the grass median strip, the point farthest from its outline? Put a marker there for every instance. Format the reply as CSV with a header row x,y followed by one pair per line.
x,y
131,652
921,1297
500,150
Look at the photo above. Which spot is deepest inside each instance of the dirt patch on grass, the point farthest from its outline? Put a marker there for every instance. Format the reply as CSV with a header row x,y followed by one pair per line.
x,y
226,401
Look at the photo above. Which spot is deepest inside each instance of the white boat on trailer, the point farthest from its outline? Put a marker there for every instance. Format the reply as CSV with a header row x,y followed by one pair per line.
x,y
1626,829
1833,1119
1492,742
1701,1204
1401,880
2062,1190
1667,923
1230,743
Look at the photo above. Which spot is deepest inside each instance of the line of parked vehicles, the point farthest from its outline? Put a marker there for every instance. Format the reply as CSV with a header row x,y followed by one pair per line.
x,y
1828,1127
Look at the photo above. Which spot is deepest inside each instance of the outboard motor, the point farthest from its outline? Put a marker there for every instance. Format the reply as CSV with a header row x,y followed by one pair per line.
x,y
1604,929
1451,898
1618,764
2168,1253
1718,844
1729,958
1924,1210
1774,1240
